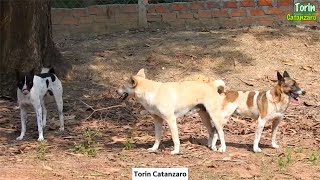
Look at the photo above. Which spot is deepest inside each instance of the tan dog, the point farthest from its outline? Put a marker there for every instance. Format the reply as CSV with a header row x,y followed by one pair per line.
x,y
264,106
168,101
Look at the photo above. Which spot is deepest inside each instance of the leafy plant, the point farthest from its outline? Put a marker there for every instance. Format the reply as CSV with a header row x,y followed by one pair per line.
x,y
42,150
128,145
87,146
314,157
285,159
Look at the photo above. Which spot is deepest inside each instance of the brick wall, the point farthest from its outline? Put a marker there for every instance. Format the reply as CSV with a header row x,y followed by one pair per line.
x,y
94,19
214,13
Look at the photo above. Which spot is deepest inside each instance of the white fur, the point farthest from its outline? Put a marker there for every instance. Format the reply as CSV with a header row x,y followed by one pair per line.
x,y
35,99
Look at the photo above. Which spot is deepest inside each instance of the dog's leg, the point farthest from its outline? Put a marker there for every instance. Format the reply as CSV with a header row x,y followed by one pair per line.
x,y
44,114
58,98
275,126
38,109
216,120
261,124
23,113
206,121
172,122
158,132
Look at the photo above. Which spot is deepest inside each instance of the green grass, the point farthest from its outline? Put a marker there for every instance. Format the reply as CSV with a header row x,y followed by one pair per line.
x,y
314,157
88,145
128,144
286,159
42,150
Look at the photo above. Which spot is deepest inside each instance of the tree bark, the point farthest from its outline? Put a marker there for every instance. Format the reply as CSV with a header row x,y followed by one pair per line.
x,y
26,40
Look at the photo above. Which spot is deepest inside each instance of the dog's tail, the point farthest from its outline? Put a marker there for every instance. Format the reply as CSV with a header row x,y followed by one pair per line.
x,y
220,85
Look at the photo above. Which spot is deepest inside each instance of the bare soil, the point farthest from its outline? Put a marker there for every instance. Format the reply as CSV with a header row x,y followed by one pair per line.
x,y
247,59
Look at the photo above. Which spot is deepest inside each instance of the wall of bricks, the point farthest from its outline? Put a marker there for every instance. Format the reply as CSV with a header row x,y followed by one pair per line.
x,y
94,19
210,13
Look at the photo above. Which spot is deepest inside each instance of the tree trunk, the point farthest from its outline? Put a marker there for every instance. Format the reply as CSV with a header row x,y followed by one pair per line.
x,y
26,40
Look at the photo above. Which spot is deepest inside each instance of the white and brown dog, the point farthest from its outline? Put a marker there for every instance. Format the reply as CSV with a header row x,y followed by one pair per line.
x,y
31,91
264,106
168,101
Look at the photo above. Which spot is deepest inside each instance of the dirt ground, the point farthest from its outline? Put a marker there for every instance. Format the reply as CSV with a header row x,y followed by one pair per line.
x,y
121,131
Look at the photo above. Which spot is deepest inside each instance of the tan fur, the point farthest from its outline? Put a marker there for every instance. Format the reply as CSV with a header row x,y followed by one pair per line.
x,y
262,104
230,96
167,101
250,99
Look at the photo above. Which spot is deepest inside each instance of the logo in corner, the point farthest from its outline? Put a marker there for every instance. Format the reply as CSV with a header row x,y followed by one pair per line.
x,y
303,12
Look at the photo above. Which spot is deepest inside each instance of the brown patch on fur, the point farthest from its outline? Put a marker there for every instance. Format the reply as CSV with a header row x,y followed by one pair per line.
x,y
231,96
250,99
262,104
276,93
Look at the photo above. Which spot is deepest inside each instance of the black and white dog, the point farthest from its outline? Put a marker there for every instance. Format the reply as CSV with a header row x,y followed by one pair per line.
x,y
31,91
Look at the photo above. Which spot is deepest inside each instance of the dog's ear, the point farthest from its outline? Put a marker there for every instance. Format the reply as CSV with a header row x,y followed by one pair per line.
x,y
141,73
286,74
133,81
31,72
280,78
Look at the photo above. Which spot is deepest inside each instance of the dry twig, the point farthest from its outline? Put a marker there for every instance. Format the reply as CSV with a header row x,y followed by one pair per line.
x,y
101,109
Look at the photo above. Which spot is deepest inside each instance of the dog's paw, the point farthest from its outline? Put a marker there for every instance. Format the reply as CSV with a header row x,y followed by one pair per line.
x,y
174,152
40,139
214,148
274,145
222,149
152,149
257,150
19,138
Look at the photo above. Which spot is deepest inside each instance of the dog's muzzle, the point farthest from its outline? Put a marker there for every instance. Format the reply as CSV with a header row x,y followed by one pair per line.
x,y
25,91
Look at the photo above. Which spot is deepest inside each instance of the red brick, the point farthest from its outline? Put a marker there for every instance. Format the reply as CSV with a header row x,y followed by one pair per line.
x,y
69,20
265,2
185,15
101,19
197,5
220,13
247,21
274,11
97,10
61,12
168,17
212,5
256,12
154,17
285,2
230,4
78,12
313,23
238,12
86,20
112,10
56,19
129,8
151,8
204,14
179,6
247,3
230,23
266,21
161,8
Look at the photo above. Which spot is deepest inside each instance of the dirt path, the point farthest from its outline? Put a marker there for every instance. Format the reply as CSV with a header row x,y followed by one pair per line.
x,y
246,59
